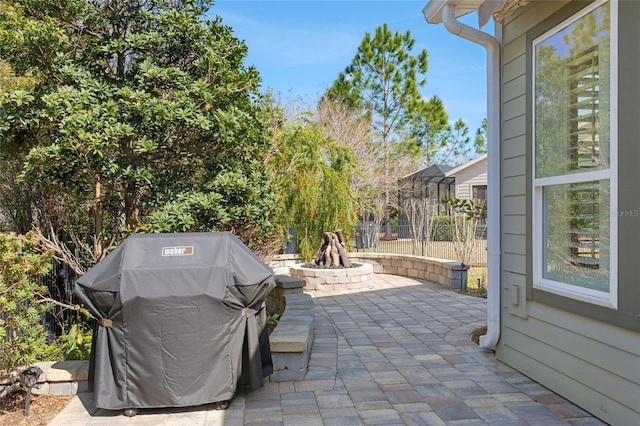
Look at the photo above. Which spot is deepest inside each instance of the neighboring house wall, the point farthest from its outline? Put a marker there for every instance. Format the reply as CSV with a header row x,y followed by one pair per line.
x,y
586,353
466,179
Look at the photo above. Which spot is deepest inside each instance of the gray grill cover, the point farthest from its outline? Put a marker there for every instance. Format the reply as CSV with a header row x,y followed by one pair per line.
x,y
177,321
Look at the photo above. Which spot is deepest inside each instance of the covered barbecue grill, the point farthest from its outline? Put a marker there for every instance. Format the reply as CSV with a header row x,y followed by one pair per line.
x,y
180,320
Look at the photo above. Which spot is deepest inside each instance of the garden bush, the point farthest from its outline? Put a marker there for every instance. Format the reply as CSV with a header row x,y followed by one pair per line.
x,y
442,229
22,300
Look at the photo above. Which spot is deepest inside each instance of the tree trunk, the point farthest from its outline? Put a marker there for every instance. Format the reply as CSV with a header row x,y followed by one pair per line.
x,y
97,243
131,208
130,188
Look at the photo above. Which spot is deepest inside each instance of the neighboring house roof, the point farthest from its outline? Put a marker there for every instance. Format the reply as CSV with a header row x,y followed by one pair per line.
x,y
466,165
436,170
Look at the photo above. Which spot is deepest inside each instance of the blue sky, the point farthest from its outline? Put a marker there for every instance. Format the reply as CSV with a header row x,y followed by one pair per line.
x,y
300,46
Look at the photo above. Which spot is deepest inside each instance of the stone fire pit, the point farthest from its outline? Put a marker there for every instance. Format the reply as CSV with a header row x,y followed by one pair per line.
x,y
357,277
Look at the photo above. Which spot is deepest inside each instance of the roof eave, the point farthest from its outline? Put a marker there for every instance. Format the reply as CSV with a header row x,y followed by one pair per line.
x,y
433,10
466,165
499,9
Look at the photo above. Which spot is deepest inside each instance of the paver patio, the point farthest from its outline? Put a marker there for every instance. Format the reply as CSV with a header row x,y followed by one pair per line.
x,y
399,353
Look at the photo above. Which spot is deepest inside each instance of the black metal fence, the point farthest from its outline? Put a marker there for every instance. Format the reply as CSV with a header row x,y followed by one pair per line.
x,y
374,238
370,238
60,284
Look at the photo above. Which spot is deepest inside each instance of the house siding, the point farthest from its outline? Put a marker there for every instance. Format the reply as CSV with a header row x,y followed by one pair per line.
x,y
592,363
470,177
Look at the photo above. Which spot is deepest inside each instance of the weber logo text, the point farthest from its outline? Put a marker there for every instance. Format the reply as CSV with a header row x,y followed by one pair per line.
x,y
177,251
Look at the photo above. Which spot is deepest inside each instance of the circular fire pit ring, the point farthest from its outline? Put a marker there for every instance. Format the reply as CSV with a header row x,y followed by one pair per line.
x,y
358,277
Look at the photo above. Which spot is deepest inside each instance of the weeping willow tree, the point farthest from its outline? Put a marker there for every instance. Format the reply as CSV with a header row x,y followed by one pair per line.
x,y
312,175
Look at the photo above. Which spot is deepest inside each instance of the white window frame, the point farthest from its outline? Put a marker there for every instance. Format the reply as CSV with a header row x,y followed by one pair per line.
x,y
608,299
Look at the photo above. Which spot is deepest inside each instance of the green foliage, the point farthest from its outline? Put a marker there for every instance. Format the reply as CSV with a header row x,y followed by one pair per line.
x,y
469,208
464,225
383,78
441,144
142,112
424,128
9,81
441,229
480,141
312,175
23,263
76,343
444,227
383,82
272,319
240,202
457,147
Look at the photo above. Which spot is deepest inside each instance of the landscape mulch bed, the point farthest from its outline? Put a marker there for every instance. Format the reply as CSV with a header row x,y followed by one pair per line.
x,y
475,335
42,409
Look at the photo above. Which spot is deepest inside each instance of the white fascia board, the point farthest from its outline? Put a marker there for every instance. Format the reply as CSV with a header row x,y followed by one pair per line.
x,y
433,10
466,165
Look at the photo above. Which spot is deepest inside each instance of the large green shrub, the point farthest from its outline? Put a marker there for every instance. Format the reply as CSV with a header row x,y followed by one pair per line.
x,y
312,174
23,262
143,117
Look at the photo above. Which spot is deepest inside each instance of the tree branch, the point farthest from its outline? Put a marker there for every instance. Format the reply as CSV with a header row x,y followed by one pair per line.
x,y
61,251
44,299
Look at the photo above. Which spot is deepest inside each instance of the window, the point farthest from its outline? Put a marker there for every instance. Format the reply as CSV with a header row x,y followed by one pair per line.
x,y
575,157
479,193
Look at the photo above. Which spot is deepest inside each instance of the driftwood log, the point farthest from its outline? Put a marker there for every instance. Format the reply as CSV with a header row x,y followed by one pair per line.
x,y
332,252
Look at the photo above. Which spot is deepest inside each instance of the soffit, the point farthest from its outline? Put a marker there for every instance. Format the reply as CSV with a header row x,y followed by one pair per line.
x,y
433,10
499,9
